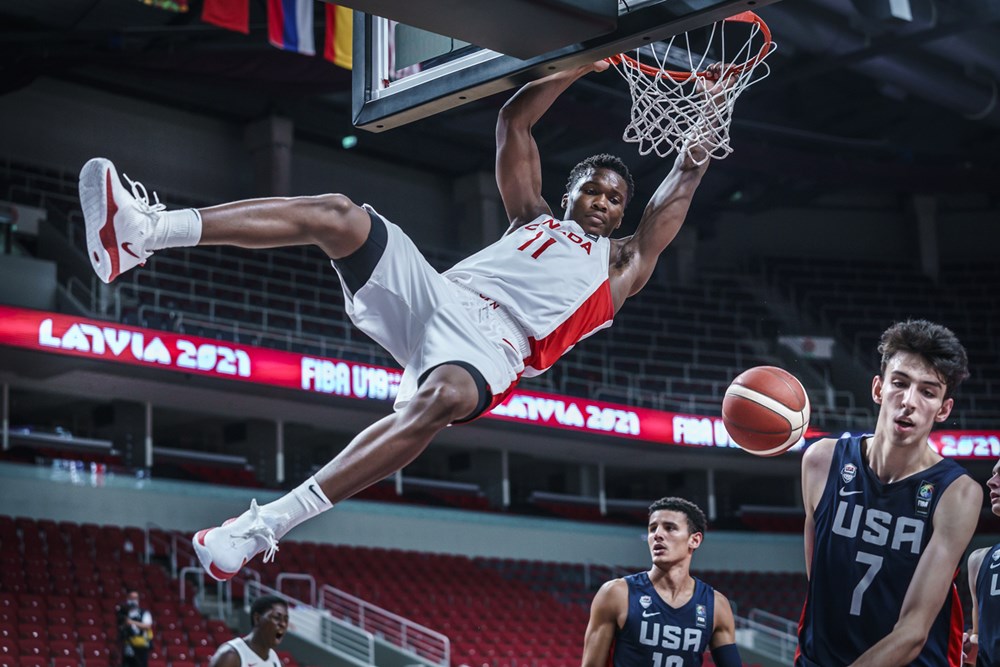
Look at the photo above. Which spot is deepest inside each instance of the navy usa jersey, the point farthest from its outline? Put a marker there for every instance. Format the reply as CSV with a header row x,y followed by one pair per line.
x,y
988,608
657,635
869,538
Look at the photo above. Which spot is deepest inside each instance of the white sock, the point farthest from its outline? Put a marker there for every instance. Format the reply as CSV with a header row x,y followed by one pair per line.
x,y
301,503
176,229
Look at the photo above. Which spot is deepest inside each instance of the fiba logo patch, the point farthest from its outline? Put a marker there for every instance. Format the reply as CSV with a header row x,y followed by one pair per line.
x,y
925,495
701,616
848,472
645,601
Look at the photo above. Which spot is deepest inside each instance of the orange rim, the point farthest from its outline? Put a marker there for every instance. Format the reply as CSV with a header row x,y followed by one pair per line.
x,y
680,76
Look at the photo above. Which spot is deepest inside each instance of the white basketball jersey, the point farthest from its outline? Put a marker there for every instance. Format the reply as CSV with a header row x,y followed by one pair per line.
x,y
247,656
552,278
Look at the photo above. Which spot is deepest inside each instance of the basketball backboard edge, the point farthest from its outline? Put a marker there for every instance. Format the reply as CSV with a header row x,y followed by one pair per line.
x,y
379,105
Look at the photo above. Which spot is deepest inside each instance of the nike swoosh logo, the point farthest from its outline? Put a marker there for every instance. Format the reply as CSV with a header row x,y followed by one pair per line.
x,y
995,565
127,247
647,615
845,492
312,487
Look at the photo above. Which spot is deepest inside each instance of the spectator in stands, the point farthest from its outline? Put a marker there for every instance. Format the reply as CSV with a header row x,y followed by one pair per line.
x,y
135,629
888,519
982,645
268,625
465,337
663,616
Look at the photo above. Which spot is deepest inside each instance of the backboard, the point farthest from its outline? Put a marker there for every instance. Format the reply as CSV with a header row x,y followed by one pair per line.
x,y
403,74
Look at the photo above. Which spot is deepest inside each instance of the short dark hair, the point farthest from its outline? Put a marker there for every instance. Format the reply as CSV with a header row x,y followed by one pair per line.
x,y
262,605
697,523
602,161
935,343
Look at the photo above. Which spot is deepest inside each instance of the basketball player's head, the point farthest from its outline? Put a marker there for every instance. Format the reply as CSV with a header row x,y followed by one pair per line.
x,y
993,484
937,345
269,619
676,528
597,192
697,523
922,365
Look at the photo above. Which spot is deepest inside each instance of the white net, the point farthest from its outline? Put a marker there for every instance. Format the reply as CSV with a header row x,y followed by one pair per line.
x,y
682,111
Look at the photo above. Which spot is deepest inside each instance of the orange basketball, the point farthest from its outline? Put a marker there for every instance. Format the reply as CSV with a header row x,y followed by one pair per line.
x,y
765,410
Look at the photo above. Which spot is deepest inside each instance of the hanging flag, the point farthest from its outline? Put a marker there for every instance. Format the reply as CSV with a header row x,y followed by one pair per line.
x,y
169,5
228,14
339,47
809,347
290,25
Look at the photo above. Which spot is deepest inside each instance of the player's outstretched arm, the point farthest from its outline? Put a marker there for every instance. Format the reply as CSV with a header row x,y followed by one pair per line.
x,y
954,522
666,211
607,614
723,644
970,642
518,165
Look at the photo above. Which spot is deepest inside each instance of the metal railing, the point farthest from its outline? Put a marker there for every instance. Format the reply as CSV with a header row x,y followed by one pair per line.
x,y
762,638
294,576
424,643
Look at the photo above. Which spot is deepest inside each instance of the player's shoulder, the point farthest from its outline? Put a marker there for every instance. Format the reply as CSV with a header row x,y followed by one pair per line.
x,y
226,656
964,490
818,455
977,556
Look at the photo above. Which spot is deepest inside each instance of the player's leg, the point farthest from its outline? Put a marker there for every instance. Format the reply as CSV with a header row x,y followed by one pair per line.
x,y
124,227
449,393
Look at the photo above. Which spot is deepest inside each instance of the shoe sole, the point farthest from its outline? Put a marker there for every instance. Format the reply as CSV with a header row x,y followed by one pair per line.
x,y
95,198
205,556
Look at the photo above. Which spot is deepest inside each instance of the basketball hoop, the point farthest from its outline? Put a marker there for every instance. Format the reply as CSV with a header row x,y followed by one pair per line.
x,y
671,110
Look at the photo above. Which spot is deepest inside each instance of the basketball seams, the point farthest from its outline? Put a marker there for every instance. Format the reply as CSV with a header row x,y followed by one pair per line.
x,y
764,406
791,415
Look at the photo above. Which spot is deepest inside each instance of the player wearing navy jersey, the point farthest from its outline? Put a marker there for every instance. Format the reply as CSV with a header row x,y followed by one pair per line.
x,y
982,645
461,350
664,617
887,519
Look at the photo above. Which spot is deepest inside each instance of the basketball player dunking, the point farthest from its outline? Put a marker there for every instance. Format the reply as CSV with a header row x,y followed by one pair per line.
x,y
463,338
888,519
983,644
663,617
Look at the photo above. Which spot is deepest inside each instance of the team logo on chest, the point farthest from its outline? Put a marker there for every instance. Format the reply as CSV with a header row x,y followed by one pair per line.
x,y
848,472
925,495
645,601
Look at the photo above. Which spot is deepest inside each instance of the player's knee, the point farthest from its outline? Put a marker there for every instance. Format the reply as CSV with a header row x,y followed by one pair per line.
x,y
437,404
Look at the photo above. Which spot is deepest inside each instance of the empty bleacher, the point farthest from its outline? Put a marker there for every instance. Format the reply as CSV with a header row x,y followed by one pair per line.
x,y
60,586
857,300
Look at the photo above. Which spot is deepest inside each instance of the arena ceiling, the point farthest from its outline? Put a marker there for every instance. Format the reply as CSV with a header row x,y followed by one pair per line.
x,y
858,103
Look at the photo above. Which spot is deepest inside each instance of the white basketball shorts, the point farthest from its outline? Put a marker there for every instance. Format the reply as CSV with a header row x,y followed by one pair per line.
x,y
424,320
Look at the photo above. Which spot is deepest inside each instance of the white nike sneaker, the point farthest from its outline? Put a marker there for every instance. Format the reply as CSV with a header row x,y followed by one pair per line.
x,y
224,550
119,222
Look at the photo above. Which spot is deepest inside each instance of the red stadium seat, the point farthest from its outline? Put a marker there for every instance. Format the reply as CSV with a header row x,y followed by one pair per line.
x,y
9,647
64,648
31,631
91,633
33,647
91,650
33,661
66,662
